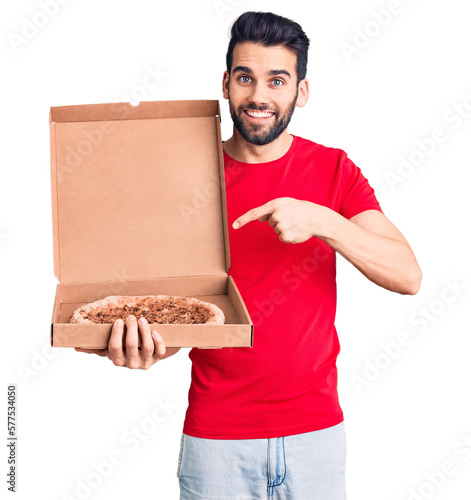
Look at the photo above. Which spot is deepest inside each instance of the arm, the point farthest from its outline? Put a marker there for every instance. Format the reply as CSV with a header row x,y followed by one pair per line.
x,y
152,345
368,240
377,249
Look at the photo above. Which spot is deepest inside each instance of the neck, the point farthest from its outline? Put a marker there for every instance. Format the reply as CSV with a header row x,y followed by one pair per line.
x,y
241,150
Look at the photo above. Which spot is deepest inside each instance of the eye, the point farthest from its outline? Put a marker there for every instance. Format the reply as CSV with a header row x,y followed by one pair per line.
x,y
277,82
244,79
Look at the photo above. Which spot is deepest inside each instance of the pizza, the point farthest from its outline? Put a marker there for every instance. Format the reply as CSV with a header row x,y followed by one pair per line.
x,y
163,309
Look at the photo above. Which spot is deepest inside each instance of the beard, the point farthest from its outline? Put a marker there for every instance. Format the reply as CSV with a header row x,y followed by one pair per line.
x,y
255,133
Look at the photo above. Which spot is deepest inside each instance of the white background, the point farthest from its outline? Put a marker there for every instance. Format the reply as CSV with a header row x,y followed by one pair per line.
x,y
408,78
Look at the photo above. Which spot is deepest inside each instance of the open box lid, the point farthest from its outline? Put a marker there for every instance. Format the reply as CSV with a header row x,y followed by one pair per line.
x,y
138,191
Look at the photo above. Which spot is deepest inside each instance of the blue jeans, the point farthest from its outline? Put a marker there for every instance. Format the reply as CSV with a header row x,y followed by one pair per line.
x,y
309,466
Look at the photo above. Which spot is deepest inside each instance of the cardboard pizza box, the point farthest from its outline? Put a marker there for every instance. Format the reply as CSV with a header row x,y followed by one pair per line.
x,y
139,208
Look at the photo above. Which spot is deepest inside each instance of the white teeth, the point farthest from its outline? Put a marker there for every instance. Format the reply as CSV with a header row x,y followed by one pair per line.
x,y
259,114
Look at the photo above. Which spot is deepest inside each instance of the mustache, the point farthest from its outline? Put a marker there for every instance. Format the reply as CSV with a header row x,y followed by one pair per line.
x,y
254,107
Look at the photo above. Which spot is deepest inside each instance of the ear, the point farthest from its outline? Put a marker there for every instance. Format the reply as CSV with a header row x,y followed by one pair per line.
x,y
303,93
225,85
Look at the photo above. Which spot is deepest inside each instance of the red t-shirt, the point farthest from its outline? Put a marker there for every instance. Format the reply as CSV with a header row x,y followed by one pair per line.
x,y
287,382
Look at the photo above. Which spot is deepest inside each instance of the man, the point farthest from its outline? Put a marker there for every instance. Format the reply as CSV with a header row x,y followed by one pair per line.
x,y
265,422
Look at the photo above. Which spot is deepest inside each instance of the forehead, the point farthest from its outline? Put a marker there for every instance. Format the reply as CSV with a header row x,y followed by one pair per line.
x,y
263,59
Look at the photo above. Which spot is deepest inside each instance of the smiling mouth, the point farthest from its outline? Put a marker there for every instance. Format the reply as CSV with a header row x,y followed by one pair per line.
x,y
258,115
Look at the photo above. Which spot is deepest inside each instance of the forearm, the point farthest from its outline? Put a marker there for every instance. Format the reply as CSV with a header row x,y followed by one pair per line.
x,y
368,240
386,261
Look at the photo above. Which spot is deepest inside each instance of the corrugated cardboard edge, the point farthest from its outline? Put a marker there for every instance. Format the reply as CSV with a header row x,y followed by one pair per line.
x,y
55,311
126,111
54,201
200,336
222,180
239,305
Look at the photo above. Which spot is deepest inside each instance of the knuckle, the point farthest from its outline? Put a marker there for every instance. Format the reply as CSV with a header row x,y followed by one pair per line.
x,y
287,235
114,348
280,203
147,350
131,343
253,214
157,355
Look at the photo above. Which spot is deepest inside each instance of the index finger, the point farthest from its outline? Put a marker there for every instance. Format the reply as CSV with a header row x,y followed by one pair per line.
x,y
255,214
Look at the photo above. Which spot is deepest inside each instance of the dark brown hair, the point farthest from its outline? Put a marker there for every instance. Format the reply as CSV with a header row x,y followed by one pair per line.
x,y
269,29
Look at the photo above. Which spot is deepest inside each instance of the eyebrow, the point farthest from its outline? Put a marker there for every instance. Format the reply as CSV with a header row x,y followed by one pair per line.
x,y
273,72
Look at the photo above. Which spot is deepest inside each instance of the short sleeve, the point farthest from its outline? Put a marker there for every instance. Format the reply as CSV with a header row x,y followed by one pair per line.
x,y
355,193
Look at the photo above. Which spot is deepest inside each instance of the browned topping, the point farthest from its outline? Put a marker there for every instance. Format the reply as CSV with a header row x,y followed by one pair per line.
x,y
163,312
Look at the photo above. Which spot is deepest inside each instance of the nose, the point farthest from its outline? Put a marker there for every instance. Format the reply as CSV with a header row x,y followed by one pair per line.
x,y
259,94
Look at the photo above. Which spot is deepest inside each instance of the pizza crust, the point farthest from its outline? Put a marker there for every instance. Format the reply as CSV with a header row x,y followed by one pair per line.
x,y
163,309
